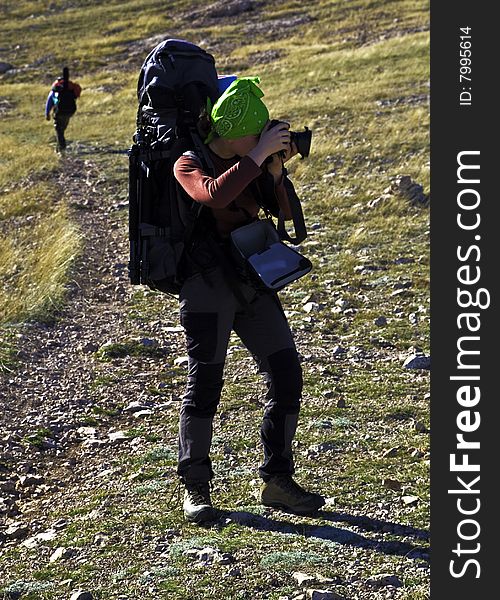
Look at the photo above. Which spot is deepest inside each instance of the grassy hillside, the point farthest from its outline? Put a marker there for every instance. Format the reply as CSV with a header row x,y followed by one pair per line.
x,y
356,73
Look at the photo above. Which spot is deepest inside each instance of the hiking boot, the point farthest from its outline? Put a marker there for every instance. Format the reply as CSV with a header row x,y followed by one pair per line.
x,y
283,492
197,504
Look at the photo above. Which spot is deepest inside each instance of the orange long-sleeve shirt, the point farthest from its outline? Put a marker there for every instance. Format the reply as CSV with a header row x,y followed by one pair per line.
x,y
228,194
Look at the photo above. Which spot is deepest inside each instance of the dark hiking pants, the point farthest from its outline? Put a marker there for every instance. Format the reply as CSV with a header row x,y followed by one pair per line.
x,y
208,314
61,121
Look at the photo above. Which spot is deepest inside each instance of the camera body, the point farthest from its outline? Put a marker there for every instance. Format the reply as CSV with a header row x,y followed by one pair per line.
x,y
302,139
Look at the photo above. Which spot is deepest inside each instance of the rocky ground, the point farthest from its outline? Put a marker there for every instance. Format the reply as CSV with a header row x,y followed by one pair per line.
x,y
92,376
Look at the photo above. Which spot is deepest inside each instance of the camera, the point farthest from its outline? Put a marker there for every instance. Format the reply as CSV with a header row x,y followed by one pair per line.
x,y
302,139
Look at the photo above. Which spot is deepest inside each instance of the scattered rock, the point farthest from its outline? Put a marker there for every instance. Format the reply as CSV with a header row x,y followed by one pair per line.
x,y
311,307
4,67
323,595
380,321
181,361
341,403
62,553
410,500
392,484
420,427
30,480
16,531
338,350
391,453
81,595
413,318
117,437
404,187
316,449
302,578
209,555
417,361
134,407
384,579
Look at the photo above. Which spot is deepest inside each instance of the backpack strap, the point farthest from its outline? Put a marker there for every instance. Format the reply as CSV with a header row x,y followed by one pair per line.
x,y
297,214
263,199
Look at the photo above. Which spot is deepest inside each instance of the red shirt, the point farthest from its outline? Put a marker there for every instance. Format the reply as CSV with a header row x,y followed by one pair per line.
x,y
228,194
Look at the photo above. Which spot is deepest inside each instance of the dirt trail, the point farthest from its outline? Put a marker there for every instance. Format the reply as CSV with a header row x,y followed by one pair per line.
x,y
55,390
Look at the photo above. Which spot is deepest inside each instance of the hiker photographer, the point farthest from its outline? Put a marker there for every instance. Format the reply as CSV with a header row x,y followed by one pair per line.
x,y
217,298
206,160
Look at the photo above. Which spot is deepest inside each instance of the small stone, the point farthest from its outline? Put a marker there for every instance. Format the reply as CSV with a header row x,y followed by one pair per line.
x,y
410,500
342,304
417,361
16,531
225,558
89,347
181,361
178,329
323,595
390,453
62,553
392,484
5,66
87,431
46,536
142,413
302,578
30,480
384,579
416,453
8,487
420,427
81,595
311,307
147,343
401,293
337,350
117,437
134,406
341,403
380,321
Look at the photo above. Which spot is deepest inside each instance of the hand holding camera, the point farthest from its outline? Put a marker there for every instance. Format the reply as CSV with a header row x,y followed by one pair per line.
x,y
277,139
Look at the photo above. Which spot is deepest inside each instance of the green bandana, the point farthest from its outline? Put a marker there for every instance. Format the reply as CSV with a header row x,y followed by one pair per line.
x,y
239,111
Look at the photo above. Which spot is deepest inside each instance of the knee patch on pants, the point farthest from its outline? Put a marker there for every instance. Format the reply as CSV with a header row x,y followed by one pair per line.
x,y
201,334
286,376
204,387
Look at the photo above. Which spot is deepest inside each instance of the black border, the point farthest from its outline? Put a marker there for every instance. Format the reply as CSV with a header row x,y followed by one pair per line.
x,y
456,128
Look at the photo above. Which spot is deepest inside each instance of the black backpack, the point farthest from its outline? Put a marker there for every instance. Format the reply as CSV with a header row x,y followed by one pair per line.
x,y
65,99
174,83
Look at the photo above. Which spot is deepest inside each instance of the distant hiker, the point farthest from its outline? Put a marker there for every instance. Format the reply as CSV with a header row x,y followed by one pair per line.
x,y
62,100
239,140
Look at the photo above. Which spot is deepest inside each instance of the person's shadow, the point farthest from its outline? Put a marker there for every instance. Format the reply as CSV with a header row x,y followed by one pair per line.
x,y
337,534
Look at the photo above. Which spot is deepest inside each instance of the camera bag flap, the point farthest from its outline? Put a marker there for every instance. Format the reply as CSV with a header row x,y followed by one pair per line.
x,y
274,263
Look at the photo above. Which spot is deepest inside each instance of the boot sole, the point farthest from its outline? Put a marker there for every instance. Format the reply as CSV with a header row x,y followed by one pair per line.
x,y
295,511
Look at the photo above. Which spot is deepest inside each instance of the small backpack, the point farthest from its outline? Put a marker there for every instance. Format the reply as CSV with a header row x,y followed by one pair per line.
x,y
174,83
64,98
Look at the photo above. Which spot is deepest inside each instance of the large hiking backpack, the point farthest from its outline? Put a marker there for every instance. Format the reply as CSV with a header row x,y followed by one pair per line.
x,y
175,80
65,101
